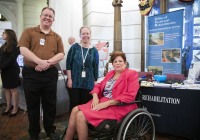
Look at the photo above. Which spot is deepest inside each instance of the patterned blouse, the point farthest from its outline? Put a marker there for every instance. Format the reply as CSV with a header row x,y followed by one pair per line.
x,y
108,88
74,63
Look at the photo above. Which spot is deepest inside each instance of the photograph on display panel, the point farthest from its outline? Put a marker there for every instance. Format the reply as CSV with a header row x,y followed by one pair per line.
x,y
196,31
196,42
102,48
171,56
156,70
196,20
196,56
156,39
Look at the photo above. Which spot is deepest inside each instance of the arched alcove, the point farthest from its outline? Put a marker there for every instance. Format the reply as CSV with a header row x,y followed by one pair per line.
x,y
2,18
9,16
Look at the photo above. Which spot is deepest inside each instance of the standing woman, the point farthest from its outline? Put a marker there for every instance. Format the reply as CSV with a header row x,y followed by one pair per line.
x,y
82,69
10,71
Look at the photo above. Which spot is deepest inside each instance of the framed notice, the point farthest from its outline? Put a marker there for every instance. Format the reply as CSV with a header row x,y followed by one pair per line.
x,y
102,48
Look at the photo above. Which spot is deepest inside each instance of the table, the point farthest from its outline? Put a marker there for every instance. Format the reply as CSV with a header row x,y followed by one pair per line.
x,y
174,111
62,105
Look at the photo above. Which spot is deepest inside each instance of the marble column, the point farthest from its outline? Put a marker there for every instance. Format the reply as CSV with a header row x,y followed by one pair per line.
x,y
117,4
163,6
20,17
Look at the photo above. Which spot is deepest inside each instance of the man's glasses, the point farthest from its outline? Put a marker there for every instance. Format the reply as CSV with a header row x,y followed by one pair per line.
x,y
45,15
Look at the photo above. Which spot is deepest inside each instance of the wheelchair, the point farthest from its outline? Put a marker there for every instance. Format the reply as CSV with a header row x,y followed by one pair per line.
x,y
136,125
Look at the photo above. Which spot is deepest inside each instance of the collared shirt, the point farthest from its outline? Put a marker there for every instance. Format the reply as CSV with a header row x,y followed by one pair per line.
x,y
31,38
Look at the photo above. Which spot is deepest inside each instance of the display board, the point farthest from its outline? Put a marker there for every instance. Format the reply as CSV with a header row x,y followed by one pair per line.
x,y
164,47
102,48
196,39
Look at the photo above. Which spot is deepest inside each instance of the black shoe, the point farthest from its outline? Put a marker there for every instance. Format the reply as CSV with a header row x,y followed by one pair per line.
x,y
53,136
6,113
14,114
34,138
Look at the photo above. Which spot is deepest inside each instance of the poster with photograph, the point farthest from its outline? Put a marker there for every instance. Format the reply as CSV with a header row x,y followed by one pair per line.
x,y
171,55
194,73
196,56
156,39
196,42
102,48
157,70
164,48
196,31
196,20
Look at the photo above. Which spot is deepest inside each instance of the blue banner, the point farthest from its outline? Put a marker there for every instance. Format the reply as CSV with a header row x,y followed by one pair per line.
x,y
165,43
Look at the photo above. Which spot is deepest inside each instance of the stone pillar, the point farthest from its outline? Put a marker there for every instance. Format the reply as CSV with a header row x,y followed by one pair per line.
x,y
117,25
20,17
163,6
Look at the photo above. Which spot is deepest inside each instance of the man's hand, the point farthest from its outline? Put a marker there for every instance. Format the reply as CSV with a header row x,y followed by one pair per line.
x,y
42,66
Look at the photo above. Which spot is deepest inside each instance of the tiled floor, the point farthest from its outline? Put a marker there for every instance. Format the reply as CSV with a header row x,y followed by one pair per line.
x,y
16,128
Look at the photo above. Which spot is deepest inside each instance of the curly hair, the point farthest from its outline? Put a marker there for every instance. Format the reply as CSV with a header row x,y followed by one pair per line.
x,y
115,54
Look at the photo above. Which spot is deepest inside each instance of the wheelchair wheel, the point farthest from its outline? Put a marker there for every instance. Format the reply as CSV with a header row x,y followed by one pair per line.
x,y
137,125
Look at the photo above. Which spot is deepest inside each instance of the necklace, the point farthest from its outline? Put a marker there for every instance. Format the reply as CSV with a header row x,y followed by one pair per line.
x,y
84,57
116,76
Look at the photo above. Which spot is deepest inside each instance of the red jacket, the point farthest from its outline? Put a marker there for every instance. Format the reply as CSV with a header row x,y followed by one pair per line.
x,y
124,90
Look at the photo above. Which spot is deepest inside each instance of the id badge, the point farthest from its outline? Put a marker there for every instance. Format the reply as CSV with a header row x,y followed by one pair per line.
x,y
83,75
42,41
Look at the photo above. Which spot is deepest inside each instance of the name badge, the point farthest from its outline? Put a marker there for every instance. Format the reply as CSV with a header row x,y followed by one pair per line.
x,y
83,75
42,41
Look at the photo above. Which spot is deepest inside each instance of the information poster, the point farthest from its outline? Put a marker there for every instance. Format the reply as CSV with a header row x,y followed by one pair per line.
x,y
102,48
196,40
165,42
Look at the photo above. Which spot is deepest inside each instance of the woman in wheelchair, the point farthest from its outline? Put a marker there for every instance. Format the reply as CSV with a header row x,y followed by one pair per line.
x,y
119,85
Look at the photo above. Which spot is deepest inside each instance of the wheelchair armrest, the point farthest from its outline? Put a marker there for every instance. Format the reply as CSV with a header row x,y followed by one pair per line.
x,y
123,103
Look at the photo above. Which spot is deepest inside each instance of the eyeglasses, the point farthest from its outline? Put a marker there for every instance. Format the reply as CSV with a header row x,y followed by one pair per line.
x,y
45,15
